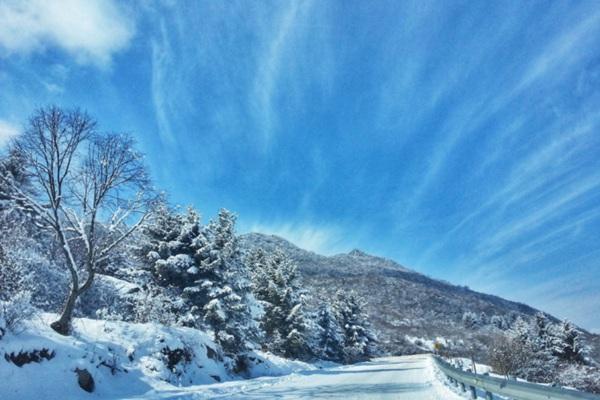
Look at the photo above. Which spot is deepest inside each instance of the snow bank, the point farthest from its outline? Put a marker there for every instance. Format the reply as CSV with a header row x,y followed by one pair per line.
x,y
124,359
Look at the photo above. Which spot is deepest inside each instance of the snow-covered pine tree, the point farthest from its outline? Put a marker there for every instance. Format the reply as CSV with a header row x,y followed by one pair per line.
x,y
359,339
167,246
225,281
499,322
570,345
537,339
276,285
545,337
297,343
521,331
287,308
171,246
204,266
483,319
330,340
258,264
162,226
470,320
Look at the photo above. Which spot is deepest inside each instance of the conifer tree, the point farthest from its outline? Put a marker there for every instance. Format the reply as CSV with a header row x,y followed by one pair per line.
x,y
359,339
570,344
276,285
227,310
330,340
204,266
470,320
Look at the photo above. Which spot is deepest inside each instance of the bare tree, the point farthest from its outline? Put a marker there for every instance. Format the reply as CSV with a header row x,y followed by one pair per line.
x,y
507,355
88,187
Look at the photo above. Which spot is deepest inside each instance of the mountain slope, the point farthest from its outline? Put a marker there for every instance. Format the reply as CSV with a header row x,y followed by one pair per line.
x,y
406,307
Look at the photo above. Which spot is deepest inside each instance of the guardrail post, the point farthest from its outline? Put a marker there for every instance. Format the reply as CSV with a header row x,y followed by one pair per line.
x,y
473,392
489,396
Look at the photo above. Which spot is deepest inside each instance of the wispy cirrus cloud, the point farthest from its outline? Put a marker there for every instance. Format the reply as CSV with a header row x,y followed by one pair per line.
x,y
89,30
390,124
284,42
549,67
161,63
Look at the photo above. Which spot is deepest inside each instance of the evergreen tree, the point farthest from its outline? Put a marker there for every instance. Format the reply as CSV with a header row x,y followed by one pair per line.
x,y
570,345
544,337
537,340
499,322
168,245
276,285
296,344
330,340
204,266
258,264
225,281
521,331
483,319
470,320
359,340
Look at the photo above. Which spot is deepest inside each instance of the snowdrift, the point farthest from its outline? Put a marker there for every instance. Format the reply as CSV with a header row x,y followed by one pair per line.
x,y
124,360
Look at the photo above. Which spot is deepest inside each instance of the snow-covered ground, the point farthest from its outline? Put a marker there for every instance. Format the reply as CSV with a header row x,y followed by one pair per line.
x,y
149,361
126,360
408,377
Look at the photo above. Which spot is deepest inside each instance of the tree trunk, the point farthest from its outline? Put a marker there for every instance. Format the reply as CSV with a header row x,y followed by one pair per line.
x,y
63,325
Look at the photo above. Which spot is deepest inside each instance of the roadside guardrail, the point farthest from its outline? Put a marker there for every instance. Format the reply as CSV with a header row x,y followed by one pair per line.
x,y
469,381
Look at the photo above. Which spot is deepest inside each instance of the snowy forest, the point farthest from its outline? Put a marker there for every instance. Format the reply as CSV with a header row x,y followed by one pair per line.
x,y
85,234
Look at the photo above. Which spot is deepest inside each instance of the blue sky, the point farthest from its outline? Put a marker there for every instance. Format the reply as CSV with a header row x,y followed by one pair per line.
x,y
460,139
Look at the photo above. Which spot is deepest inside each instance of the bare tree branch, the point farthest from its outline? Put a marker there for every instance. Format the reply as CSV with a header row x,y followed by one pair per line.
x,y
83,176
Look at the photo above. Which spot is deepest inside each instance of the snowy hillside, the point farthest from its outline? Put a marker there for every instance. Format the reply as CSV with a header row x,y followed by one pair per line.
x,y
123,359
406,307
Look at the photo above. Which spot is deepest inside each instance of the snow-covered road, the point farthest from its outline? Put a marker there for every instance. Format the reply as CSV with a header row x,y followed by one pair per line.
x,y
409,377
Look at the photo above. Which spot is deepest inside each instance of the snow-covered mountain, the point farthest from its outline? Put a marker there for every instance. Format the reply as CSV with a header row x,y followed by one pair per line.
x,y
406,307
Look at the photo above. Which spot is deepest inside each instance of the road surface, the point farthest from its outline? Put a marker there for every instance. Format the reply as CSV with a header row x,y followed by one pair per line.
x,y
408,377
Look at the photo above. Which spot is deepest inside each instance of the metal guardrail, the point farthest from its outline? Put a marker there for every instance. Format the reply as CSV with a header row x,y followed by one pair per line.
x,y
509,388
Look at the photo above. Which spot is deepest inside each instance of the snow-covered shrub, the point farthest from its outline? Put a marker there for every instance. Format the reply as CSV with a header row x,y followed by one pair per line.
x,y
15,311
582,377
51,284
507,356
25,263
545,352
15,296
152,305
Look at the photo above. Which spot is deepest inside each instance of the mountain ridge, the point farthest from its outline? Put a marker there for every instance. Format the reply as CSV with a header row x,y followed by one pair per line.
x,y
403,303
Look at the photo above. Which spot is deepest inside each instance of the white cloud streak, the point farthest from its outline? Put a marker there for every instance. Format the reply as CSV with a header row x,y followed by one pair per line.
x,y
89,30
161,62
268,73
